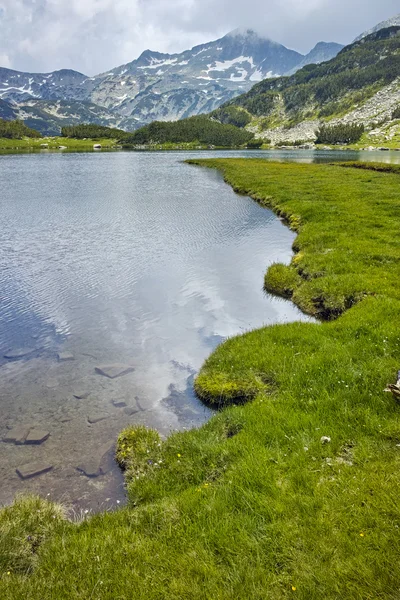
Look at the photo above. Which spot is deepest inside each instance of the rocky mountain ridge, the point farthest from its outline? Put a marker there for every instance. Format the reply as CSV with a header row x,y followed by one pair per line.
x,y
155,86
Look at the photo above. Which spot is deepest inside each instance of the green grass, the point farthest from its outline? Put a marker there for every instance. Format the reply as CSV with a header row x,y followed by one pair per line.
x,y
53,143
253,505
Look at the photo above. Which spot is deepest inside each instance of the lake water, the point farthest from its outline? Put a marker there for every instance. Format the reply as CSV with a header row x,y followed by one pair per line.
x,y
128,258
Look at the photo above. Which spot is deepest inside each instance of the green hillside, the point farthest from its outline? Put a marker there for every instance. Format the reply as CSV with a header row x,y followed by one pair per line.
x,y
329,88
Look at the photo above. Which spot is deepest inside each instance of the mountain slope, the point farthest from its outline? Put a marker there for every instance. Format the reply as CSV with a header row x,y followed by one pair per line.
x,y
322,52
163,86
356,77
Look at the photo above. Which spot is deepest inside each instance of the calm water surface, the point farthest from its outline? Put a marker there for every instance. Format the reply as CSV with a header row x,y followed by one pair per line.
x,y
131,258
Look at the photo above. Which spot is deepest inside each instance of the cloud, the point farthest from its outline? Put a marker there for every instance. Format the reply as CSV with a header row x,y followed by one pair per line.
x,y
95,35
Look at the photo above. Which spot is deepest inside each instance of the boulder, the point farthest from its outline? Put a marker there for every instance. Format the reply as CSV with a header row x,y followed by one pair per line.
x,y
115,370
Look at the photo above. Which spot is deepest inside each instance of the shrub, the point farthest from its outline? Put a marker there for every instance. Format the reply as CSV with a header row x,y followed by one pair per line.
x,y
396,113
199,129
231,115
16,130
254,144
79,132
339,134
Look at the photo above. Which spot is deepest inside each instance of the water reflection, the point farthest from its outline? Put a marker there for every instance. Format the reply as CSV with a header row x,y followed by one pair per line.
x,y
131,258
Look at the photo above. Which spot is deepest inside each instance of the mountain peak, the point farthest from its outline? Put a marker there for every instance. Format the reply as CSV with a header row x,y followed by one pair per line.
x,y
247,33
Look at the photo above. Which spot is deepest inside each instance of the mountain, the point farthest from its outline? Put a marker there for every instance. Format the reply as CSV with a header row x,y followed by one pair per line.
x,y
155,86
360,85
322,52
392,22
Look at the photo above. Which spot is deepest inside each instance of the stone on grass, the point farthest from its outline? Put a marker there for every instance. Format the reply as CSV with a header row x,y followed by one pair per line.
x,y
115,370
33,470
17,435
37,436
325,439
64,356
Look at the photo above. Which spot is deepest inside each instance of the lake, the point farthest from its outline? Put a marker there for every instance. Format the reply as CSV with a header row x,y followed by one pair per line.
x,y
127,258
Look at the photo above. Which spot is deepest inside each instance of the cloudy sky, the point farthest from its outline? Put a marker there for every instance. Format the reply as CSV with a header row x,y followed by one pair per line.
x,y
93,36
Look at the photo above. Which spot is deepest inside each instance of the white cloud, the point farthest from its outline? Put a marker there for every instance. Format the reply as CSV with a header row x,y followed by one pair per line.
x,y
95,35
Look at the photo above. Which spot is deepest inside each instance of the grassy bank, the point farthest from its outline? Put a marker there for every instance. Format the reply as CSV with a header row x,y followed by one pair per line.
x,y
54,143
258,504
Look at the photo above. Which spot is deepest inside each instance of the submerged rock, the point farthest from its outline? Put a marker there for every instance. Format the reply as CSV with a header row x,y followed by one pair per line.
x,y
33,470
96,466
17,435
81,395
37,436
96,418
18,353
115,370
64,356
118,403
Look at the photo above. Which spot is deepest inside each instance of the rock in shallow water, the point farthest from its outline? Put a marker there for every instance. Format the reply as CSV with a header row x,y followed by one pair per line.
x,y
33,470
96,418
81,394
37,436
114,371
18,353
17,435
64,356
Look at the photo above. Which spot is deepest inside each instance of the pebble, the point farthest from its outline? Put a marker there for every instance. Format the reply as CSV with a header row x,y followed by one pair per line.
x,y
325,439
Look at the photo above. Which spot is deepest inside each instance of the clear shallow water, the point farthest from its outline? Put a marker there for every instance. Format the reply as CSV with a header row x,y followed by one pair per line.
x,y
132,258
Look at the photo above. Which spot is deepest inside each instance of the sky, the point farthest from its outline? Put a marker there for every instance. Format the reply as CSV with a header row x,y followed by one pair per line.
x,y
93,36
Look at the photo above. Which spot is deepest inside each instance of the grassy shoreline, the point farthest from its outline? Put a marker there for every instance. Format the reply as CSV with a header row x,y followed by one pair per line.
x,y
256,504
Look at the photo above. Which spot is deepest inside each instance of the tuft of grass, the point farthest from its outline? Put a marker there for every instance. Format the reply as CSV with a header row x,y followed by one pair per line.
x,y
23,528
255,504
53,143
282,280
